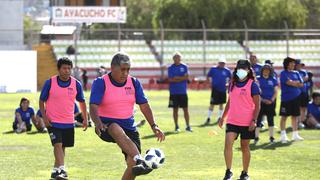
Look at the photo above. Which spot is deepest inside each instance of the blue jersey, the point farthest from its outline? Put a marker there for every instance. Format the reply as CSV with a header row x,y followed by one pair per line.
x,y
257,69
267,86
289,92
178,71
97,93
314,110
255,90
25,115
304,74
219,78
45,95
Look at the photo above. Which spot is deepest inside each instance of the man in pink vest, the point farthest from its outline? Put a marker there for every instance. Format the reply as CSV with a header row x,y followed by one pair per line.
x,y
112,102
56,104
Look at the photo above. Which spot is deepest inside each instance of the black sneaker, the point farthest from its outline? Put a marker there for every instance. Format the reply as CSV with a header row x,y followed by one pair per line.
x,y
188,129
140,168
62,175
271,139
54,174
177,129
244,176
207,121
228,175
256,140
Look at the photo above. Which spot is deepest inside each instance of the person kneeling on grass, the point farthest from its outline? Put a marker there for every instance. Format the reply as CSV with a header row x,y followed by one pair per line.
x,y
23,115
241,113
313,119
112,102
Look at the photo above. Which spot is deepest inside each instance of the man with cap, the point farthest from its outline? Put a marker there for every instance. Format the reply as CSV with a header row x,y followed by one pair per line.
x,y
255,65
112,102
304,96
220,76
178,75
291,84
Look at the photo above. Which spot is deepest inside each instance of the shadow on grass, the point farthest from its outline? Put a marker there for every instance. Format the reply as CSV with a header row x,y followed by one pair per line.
x,y
9,132
268,146
206,125
167,133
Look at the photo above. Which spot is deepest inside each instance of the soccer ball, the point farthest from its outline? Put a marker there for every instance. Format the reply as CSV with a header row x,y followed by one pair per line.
x,y
154,158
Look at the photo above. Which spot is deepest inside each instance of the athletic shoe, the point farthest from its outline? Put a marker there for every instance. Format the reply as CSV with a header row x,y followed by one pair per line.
x,y
62,175
140,168
188,129
317,126
177,130
244,176
207,121
297,138
141,123
301,125
271,139
228,175
54,174
256,140
284,139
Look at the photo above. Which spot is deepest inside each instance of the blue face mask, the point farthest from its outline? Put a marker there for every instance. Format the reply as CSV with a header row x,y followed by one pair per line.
x,y
241,73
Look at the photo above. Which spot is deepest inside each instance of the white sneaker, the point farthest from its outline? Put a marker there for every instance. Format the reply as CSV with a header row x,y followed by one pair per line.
x,y
284,139
301,125
297,138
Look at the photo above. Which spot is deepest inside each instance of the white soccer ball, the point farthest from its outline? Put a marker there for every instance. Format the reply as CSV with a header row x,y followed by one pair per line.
x,y
154,158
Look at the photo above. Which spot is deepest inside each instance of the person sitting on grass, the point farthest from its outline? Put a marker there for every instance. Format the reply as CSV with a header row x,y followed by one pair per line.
x,y
23,116
313,118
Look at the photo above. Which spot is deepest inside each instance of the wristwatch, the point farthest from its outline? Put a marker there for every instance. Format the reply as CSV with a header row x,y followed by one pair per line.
x,y
154,125
253,120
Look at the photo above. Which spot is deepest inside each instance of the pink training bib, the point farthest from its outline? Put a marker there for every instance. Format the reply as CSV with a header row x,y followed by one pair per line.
x,y
60,103
117,102
241,105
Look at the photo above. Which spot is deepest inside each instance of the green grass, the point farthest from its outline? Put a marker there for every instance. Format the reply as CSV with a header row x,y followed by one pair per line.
x,y
197,155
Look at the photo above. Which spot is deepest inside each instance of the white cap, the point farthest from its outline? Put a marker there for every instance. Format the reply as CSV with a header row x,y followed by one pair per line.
x,y
177,53
222,60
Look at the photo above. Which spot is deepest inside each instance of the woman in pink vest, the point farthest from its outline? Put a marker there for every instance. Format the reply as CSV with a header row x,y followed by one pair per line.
x,y
112,101
241,113
56,104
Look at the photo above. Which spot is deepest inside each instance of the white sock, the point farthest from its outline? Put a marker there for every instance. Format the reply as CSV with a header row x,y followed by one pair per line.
x,y
62,167
210,113
136,157
257,132
283,133
271,131
55,169
294,133
220,112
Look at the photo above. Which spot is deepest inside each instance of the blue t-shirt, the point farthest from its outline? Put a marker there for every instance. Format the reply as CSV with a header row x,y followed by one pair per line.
x,y
304,74
219,78
178,71
45,95
257,69
255,90
314,110
289,92
267,86
97,93
25,115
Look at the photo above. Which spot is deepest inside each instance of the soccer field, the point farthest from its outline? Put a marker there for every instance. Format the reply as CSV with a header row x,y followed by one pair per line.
x,y
197,155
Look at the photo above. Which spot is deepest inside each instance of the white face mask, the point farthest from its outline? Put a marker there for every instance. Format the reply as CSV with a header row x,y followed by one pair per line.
x,y
241,73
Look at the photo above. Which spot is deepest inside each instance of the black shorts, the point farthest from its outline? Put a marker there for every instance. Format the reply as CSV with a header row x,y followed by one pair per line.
x,y
15,126
218,97
242,130
304,99
290,108
64,136
133,135
267,109
178,100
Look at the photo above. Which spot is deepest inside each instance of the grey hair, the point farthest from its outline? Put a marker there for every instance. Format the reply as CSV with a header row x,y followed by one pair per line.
x,y
120,58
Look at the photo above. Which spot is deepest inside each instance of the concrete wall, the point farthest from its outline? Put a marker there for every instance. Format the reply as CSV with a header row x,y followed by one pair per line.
x,y
11,25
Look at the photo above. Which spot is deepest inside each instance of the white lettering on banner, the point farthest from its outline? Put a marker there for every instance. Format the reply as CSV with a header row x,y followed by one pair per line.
x,y
89,14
